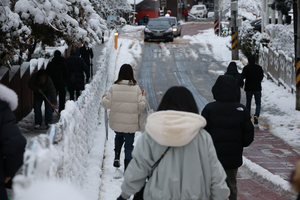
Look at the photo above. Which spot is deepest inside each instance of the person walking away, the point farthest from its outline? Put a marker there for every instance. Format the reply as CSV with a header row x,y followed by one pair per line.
x,y
233,71
254,75
86,53
186,14
125,101
40,83
12,141
78,67
58,72
189,168
230,127
295,179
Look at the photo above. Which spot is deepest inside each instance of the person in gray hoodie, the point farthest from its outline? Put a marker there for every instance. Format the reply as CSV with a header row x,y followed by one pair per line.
x,y
190,168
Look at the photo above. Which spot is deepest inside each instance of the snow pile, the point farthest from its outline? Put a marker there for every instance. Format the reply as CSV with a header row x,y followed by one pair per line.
x,y
49,190
275,181
77,158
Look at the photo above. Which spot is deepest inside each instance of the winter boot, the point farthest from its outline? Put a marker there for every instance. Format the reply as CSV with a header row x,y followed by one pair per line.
x,y
117,157
255,120
126,163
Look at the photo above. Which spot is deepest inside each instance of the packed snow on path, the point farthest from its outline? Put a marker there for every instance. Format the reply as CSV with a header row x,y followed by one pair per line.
x,y
129,51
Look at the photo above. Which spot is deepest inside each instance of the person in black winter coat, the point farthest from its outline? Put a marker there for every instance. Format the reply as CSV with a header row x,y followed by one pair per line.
x,y
12,141
230,126
40,83
86,53
78,67
254,75
58,72
232,71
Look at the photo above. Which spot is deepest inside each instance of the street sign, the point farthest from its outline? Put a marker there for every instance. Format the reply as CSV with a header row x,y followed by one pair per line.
x,y
234,6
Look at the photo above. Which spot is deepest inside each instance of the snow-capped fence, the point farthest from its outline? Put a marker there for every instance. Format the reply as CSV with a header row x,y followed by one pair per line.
x,y
71,150
278,67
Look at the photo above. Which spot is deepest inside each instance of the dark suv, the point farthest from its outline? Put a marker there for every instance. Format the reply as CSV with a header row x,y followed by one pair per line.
x,y
158,29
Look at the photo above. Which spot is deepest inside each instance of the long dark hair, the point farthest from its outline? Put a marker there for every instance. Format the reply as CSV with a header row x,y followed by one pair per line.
x,y
180,99
126,73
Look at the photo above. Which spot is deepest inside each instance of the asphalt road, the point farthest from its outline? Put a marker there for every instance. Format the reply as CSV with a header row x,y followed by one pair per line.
x,y
164,65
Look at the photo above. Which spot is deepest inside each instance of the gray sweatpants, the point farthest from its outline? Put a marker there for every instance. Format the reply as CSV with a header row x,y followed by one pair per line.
x,y
231,183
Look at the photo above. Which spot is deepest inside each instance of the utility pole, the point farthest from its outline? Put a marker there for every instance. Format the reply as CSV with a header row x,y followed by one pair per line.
x,y
297,58
234,31
216,22
134,12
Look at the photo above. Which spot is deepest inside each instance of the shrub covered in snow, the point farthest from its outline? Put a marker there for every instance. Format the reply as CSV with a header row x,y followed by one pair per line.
x,y
249,40
249,9
283,39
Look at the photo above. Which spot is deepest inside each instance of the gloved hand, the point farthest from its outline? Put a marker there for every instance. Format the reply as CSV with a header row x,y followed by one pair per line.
x,y
120,198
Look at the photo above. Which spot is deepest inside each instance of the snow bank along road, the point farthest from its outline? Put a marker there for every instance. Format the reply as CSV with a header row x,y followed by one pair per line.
x,y
192,64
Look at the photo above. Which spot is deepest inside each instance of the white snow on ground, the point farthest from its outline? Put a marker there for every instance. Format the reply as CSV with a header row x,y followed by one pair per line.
x,y
50,190
111,188
259,172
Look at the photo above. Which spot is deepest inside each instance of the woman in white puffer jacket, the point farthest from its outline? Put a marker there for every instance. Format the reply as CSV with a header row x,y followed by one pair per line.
x,y
125,100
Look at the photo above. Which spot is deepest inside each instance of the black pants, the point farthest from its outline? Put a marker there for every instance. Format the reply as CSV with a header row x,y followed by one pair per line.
x,y
231,183
62,97
72,94
3,194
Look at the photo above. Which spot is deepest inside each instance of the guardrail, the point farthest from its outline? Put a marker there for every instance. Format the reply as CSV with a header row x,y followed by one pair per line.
x,y
63,151
278,67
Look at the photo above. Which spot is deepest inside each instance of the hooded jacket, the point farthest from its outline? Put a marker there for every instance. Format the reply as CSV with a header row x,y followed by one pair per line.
x,y
190,170
58,72
12,142
48,88
228,123
77,66
232,71
125,102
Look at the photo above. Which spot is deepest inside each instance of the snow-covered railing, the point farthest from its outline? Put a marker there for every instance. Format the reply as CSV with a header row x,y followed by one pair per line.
x,y
278,67
65,151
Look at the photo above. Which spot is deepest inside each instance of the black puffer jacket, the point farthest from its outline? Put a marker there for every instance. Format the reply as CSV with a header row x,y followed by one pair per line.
x,y
229,123
254,75
86,54
77,66
232,71
12,142
58,72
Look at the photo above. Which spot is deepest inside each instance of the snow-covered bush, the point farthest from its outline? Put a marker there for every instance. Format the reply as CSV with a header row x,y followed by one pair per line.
x,y
283,39
249,9
250,41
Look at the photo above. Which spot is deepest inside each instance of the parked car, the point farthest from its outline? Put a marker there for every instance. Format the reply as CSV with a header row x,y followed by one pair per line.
x,y
256,24
199,11
175,24
158,29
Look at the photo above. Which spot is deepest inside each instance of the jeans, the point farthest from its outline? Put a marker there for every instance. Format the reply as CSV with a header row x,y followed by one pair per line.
x,y
37,104
257,96
72,94
128,139
231,183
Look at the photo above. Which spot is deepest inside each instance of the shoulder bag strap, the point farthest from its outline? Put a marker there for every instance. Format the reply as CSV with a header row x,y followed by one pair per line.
x,y
157,162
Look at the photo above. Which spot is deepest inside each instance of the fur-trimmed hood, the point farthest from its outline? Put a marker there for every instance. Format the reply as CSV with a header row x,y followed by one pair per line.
x,y
9,96
174,128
